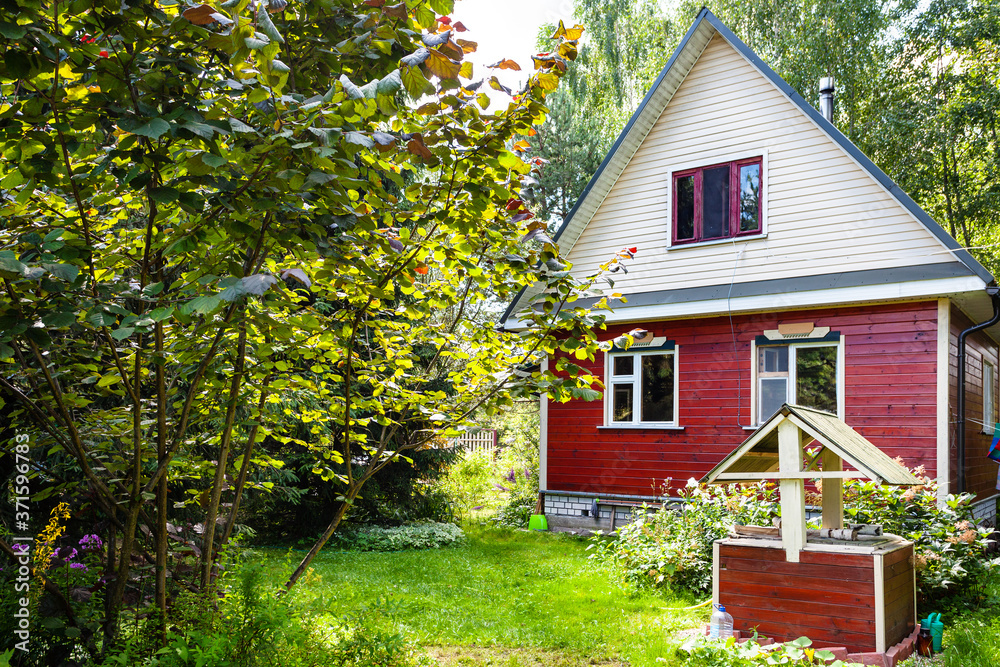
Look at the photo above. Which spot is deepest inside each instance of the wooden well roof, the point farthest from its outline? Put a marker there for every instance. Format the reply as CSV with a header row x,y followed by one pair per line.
x,y
757,457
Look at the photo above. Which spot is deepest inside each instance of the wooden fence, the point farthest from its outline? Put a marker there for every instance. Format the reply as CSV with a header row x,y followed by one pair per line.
x,y
480,441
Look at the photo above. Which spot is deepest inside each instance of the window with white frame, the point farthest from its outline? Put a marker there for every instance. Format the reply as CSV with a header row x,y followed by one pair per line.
x,y
989,377
806,373
641,387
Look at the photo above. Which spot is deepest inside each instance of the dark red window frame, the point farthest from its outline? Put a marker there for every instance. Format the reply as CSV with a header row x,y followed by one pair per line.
x,y
733,229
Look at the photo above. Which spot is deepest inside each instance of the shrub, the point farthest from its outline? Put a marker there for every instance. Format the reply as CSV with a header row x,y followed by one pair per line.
x,y
673,548
949,548
427,535
469,483
704,652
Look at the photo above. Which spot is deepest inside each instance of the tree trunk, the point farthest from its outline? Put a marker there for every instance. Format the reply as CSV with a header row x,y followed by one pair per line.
x,y
337,517
161,488
208,538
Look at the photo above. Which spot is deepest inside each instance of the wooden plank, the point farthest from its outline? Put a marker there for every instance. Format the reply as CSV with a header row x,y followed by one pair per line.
x,y
739,601
799,581
855,642
748,565
816,619
789,593
840,559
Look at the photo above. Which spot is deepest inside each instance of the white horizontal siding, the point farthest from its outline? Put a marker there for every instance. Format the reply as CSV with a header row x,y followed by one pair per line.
x,y
825,213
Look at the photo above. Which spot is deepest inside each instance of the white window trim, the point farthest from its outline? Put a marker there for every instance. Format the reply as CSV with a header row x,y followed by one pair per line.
x,y
637,390
718,159
989,417
792,367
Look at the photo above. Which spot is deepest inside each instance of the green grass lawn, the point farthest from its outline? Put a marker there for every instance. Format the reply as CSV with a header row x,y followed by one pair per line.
x,y
505,598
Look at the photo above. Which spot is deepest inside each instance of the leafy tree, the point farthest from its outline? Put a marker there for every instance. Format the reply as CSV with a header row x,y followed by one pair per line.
x,y
215,213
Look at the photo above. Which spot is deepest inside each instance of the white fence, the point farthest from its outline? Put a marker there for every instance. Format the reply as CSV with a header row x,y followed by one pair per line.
x,y
481,441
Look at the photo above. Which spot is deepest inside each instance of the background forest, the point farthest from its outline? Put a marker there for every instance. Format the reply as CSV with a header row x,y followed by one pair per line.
x,y
917,91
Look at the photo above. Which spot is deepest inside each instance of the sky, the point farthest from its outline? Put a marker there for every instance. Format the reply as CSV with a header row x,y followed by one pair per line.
x,y
507,29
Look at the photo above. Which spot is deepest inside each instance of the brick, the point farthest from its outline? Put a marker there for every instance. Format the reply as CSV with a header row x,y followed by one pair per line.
x,y
877,659
892,656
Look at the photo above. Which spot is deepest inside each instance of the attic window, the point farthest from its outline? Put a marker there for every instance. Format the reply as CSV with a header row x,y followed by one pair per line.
x,y
717,202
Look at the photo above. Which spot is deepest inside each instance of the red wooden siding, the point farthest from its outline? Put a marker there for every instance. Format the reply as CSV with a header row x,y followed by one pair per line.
x,y
890,389
980,472
899,595
829,598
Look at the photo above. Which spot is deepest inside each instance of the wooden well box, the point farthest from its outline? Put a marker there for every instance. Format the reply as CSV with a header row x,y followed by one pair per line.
x,y
860,597
838,586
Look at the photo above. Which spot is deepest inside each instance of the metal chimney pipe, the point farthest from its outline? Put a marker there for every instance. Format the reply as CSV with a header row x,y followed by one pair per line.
x,y
826,97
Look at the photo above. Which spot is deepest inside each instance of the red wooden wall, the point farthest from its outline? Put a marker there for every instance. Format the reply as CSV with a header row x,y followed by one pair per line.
x,y
980,472
890,387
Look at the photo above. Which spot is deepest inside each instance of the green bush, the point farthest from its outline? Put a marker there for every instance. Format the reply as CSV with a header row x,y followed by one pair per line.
x,y
703,652
427,535
673,548
469,483
250,626
949,548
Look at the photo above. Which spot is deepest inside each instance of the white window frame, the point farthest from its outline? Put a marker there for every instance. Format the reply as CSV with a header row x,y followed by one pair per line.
x,y
610,380
792,368
989,396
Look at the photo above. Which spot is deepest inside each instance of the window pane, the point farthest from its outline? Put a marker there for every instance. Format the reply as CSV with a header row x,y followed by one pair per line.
x,y
622,408
715,203
749,197
988,397
622,366
816,378
773,394
684,191
773,359
658,388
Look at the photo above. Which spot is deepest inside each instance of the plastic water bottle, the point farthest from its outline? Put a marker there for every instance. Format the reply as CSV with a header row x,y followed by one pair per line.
x,y
721,625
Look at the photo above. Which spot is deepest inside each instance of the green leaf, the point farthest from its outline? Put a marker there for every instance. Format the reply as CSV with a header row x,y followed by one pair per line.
x,y
161,314
359,139
213,160
59,320
154,129
17,63
239,126
352,90
12,30
278,66
67,272
266,25
109,379
255,44
414,81
11,268
101,319
202,305
390,84
164,195
123,333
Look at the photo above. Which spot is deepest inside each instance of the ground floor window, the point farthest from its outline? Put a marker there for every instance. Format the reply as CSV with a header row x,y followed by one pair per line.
x,y
641,387
804,374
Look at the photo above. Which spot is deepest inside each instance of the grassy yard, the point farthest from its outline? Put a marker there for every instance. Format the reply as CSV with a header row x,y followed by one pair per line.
x,y
505,598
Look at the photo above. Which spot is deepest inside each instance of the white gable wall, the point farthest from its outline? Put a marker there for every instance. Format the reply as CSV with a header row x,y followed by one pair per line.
x,y
824,213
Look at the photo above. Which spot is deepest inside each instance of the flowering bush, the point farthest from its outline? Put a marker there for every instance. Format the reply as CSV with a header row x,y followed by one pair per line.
x,y
949,548
674,548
